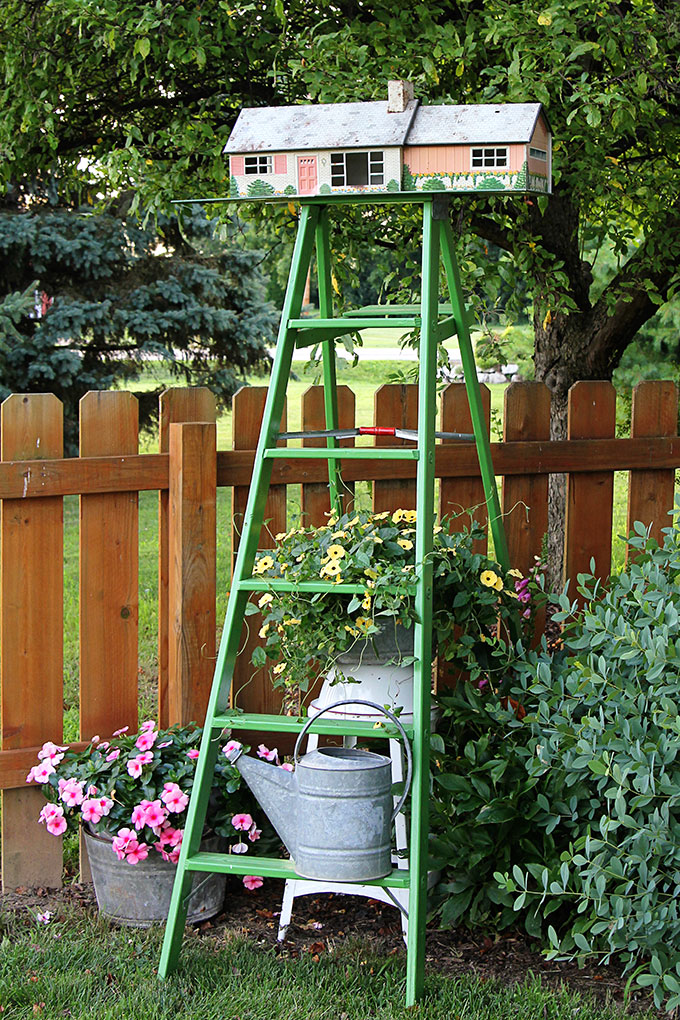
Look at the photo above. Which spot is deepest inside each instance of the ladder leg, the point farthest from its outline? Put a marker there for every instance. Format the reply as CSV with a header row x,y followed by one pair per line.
x,y
231,633
418,850
474,397
330,385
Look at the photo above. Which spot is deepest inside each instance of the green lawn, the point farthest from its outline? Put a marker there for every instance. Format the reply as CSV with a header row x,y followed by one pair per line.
x,y
81,967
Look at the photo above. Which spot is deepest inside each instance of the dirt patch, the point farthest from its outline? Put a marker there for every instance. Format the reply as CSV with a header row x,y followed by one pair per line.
x,y
322,923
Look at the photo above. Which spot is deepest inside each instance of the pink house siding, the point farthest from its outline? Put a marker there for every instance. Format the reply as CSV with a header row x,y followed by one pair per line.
x,y
539,140
237,166
281,164
453,159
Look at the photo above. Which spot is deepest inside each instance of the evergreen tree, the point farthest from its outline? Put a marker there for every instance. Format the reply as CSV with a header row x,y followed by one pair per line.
x,y
115,294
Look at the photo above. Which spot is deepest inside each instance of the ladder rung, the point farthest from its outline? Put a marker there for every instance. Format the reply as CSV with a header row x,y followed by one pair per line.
x,y
274,867
266,584
349,324
293,724
343,453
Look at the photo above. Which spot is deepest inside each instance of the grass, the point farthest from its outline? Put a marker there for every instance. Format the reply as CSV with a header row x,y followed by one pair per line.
x,y
83,967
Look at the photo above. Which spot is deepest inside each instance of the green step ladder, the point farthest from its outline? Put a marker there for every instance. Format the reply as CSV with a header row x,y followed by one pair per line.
x,y
436,324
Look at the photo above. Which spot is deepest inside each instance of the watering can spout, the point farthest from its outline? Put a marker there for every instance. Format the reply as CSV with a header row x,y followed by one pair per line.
x,y
277,792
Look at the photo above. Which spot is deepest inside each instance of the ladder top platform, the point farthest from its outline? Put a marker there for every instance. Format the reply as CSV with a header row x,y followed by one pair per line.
x,y
386,311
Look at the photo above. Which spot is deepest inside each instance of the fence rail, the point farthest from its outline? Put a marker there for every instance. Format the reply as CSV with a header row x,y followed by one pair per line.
x,y
110,472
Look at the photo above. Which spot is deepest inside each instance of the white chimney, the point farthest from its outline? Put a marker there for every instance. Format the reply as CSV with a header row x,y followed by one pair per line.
x,y
399,95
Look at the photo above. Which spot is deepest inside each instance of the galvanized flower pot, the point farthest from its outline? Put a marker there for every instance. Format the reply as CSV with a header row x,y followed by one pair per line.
x,y
138,895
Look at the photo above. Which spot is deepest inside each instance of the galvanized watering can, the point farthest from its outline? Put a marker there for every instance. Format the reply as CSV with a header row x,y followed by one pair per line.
x,y
335,812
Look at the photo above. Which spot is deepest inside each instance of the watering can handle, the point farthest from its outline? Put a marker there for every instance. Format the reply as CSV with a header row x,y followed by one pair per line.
x,y
392,718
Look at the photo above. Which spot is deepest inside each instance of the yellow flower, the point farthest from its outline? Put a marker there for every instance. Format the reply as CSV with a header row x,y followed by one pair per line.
x,y
382,516
355,520
377,539
330,570
437,529
363,622
335,552
291,621
370,572
499,584
398,515
332,521
339,534
264,631
410,516
279,669
489,578
405,543
281,535
366,604
351,630
515,572
283,566
266,563
266,599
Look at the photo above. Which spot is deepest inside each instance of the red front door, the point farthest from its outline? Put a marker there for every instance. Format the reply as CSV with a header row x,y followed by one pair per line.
x,y
307,176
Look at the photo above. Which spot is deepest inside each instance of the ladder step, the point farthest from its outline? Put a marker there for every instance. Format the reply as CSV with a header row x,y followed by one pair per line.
x,y
266,584
293,724
343,453
349,323
275,867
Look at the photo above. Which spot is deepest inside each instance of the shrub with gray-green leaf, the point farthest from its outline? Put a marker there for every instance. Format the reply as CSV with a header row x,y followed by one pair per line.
x,y
607,728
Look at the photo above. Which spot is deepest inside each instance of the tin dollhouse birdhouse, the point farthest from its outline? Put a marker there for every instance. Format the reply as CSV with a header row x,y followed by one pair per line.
x,y
394,146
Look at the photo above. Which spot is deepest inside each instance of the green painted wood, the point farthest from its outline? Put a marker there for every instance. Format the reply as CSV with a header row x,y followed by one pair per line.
x,y
398,310
293,724
420,785
474,398
275,867
348,325
345,588
343,453
330,383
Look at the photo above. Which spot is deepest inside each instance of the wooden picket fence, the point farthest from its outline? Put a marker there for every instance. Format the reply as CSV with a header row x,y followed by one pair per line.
x,y
109,474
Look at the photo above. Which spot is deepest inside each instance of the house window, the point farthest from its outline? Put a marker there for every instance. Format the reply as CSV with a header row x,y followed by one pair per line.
x,y
353,169
487,159
538,153
258,165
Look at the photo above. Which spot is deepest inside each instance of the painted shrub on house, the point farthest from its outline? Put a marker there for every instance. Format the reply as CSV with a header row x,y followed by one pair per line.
x,y
393,146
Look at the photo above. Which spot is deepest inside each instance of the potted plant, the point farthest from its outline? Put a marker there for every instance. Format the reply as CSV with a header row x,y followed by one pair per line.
x,y
130,796
340,635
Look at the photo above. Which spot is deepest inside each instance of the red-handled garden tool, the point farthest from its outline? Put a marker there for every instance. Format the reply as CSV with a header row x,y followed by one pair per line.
x,y
374,430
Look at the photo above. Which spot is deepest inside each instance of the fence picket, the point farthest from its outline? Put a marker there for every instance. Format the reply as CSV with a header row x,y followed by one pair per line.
x,y
253,691
396,405
192,583
459,495
588,527
109,567
316,501
31,635
195,403
650,493
524,498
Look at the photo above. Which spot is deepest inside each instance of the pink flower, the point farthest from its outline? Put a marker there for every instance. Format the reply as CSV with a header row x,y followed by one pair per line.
x,y
230,746
95,740
287,766
240,848
146,757
146,740
44,918
137,853
92,791
30,778
155,814
193,753
252,882
119,733
170,836
242,822
113,755
121,842
42,772
71,792
254,834
166,743
105,805
264,752
91,809
104,746
139,815
53,817
51,751
134,767
173,798
148,725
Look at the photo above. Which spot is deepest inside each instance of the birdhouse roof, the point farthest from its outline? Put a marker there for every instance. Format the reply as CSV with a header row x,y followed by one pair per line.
x,y
474,124
320,126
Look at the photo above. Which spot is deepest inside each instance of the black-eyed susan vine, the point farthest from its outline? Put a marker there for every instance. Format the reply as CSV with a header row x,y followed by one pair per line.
x,y
304,632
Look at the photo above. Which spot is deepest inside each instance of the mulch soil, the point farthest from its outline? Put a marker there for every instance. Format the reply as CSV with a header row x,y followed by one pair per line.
x,y
321,923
